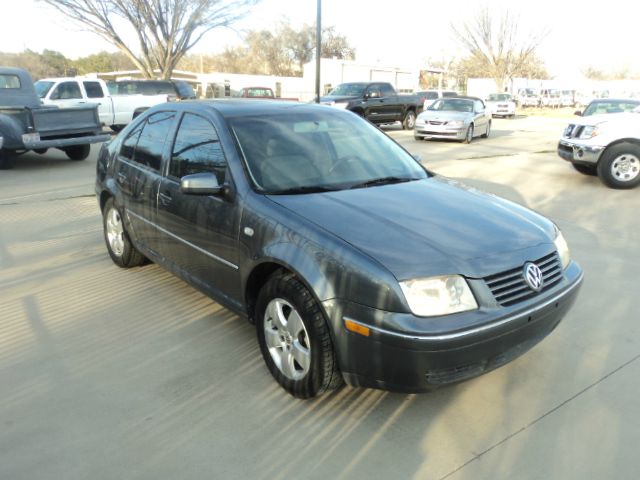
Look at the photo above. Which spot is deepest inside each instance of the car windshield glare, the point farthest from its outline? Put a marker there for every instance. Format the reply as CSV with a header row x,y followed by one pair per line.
x,y
452,104
319,150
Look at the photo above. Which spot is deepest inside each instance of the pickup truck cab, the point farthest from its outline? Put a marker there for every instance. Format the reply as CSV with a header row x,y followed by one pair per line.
x,y
115,111
378,102
606,145
26,124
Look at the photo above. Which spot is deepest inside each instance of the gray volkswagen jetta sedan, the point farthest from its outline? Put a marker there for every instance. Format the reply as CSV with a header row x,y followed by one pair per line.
x,y
354,262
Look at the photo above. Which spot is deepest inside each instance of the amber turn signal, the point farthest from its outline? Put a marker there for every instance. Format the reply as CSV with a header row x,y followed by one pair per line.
x,y
356,328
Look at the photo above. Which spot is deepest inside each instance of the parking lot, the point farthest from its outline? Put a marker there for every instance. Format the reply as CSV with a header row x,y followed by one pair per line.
x,y
132,374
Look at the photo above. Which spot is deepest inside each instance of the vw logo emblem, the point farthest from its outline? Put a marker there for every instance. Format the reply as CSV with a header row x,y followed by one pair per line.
x,y
533,276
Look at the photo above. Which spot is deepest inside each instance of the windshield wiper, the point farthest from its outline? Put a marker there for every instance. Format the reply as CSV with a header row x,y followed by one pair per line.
x,y
382,181
302,190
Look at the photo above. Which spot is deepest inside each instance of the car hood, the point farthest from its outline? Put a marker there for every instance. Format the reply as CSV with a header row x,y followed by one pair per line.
x,y
444,115
429,227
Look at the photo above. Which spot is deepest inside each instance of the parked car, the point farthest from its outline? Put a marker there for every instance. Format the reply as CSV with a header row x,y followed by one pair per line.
x,y
607,145
259,92
550,97
528,97
501,105
295,216
430,96
176,89
26,124
460,118
378,102
567,98
115,111
609,105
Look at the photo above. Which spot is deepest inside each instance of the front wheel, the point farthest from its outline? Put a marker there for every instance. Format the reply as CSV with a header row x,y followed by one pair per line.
x,y
469,135
409,120
294,338
619,166
78,152
119,245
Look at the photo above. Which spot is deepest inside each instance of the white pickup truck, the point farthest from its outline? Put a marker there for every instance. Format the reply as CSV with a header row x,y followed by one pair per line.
x,y
605,145
115,111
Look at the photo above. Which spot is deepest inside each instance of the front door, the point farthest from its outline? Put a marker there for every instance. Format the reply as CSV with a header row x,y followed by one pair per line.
x,y
67,94
200,231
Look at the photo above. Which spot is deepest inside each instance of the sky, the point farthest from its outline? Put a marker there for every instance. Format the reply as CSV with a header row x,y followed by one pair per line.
x,y
398,33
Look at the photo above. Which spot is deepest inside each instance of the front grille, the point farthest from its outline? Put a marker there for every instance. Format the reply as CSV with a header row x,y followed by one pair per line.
x,y
573,131
510,287
435,122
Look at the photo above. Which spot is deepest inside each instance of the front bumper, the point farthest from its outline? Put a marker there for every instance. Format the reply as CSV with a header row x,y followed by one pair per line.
x,y
399,359
575,152
424,130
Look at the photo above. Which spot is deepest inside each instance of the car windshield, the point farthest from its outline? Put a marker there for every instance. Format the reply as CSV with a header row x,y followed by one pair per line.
x,y
499,97
42,88
453,105
611,106
349,90
320,150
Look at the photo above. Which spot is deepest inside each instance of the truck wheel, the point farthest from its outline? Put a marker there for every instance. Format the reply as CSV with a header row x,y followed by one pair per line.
x,y
469,136
409,120
294,338
585,169
78,152
6,160
619,166
119,245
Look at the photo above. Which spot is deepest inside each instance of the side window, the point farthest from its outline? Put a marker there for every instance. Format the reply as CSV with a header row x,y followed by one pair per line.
x,y
93,89
478,106
151,140
9,81
67,91
128,148
386,90
197,149
374,91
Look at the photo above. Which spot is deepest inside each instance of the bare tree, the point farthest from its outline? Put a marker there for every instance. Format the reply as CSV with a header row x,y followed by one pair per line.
x,y
497,46
165,29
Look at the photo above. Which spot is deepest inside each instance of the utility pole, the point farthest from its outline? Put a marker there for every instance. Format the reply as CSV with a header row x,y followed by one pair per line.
x,y
318,48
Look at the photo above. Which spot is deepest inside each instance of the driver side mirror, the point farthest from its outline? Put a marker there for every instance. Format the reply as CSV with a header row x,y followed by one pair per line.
x,y
201,184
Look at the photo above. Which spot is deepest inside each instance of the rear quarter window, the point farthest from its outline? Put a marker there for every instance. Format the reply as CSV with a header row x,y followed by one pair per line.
x,y
9,81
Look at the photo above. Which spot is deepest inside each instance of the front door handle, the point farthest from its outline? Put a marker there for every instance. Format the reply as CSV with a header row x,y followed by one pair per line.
x,y
165,199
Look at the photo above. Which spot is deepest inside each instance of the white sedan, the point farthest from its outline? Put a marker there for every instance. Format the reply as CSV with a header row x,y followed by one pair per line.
x,y
501,105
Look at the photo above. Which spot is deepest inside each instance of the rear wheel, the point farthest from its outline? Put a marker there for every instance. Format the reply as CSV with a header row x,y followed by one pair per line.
x,y
294,338
78,152
619,166
409,120
6,160
119,245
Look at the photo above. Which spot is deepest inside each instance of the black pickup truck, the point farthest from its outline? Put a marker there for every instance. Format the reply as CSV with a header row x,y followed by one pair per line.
x,y
26,124
378,102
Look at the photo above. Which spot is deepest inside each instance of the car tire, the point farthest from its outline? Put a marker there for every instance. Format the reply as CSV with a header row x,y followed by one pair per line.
x,y
119,245
294,338
41,151
409,121
585,169
6,160
619,166
78,152
468,137
488,132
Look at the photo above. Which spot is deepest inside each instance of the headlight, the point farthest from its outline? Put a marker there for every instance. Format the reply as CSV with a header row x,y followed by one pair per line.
x,y
456,123
428,297
588,132
340,104
563,249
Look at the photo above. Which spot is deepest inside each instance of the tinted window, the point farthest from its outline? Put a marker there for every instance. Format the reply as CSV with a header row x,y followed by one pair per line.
x,y
129,145
93,89
9,81
387,90
449,94
67,91
156,88
197,149
431,95
152,139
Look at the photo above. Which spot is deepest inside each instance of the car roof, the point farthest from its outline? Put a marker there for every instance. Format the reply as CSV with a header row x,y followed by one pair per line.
x,y
241,107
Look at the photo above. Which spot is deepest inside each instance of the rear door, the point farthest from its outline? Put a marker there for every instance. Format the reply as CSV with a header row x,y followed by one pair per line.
x,y
480,121
200,232
374,110
95,94
391,107
138,175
